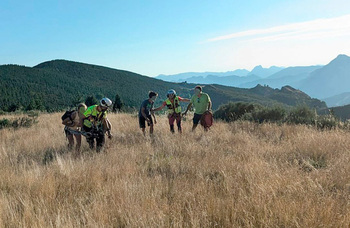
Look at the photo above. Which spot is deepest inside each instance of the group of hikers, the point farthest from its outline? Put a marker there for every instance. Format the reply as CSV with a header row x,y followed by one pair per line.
x,y
92,122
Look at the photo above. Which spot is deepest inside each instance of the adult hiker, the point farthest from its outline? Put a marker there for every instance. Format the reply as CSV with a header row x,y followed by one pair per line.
x,y
174,109
73,122
97,124
145,114
202,104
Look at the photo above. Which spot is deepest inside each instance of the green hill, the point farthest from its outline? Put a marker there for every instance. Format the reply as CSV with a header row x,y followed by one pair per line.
x,y
57,84
341,112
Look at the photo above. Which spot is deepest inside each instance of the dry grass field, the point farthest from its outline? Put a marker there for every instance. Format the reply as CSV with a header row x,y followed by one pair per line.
x,y
236,175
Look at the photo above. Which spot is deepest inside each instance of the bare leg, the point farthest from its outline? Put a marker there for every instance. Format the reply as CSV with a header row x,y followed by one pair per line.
x,y
77,147
70,141
151,129
194,127
143,131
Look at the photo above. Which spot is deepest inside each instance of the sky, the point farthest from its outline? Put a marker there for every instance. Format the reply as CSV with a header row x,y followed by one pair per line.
x,y
153,37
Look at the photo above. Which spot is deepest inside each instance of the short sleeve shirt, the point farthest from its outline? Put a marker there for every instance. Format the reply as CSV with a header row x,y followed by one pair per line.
x,y
200,103
148,106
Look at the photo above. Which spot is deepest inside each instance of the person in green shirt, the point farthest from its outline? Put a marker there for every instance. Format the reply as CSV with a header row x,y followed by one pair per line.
x,y
201,103
96,122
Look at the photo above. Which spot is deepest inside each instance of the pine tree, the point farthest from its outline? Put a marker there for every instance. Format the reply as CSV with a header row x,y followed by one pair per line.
x,y
118,103
77,99
91,100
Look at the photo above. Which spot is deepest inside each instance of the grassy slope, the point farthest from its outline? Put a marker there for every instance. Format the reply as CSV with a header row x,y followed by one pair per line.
x,y
237,175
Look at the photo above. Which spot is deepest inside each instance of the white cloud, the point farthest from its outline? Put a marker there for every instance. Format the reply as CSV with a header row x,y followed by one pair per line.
x,y
315,29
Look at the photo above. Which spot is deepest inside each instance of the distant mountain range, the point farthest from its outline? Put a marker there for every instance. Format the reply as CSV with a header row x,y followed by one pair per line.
x,y
234,81
183,76
257,72
338,100
287,76
265,72
330,80
57,84
329,83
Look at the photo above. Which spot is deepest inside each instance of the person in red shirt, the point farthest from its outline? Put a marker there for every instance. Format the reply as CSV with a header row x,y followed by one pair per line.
x,y
174,109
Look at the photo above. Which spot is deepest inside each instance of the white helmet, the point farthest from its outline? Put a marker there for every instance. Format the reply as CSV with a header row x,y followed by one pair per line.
x,y
171,92
105,102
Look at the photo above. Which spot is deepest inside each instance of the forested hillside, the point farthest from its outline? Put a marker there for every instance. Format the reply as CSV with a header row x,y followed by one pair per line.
x,y
58,84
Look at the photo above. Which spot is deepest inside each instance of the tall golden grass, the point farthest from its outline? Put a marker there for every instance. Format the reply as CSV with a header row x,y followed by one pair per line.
x,y
236,175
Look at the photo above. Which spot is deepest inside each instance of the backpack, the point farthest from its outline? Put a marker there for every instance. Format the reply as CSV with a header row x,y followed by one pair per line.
x,y
207,119
67,114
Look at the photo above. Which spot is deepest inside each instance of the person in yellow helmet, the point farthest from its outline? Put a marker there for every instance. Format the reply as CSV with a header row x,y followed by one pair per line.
x,y
73,122
174,109
97,124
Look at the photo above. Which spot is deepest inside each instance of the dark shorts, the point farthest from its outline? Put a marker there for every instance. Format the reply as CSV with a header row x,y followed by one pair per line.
x,y
142,121
197,118
100,139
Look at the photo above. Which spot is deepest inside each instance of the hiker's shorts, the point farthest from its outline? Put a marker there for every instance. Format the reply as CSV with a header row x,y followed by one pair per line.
x,y
142,121
173,117
100,139
197,118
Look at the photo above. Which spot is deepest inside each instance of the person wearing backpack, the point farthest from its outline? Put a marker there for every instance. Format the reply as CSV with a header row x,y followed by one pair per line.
x,y
97,124
202,105
174,109
73,122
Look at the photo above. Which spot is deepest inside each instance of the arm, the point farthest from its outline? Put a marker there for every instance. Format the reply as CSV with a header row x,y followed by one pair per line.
x,y
107,126
155,120
144,114
186,100
159,108
87,114
188,108
209,105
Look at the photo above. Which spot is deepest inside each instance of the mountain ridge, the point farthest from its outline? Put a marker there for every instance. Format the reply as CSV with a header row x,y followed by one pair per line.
x,y
56,84
330,80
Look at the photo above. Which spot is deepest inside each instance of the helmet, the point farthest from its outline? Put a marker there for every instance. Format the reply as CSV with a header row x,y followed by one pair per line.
x,y
171,92
105,102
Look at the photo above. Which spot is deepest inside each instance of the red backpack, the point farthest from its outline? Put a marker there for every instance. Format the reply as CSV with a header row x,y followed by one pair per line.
x,y
207,119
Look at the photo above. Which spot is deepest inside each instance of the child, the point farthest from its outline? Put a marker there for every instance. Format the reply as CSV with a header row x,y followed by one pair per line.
x,y
145,113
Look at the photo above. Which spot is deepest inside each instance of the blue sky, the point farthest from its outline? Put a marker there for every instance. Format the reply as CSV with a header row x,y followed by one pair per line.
x,y
154,37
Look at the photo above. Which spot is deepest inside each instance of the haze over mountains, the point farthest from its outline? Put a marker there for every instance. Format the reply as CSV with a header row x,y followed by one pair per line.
x,y
329,83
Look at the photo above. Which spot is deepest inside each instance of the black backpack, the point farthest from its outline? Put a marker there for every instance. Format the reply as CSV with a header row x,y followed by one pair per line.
x,y
68,114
